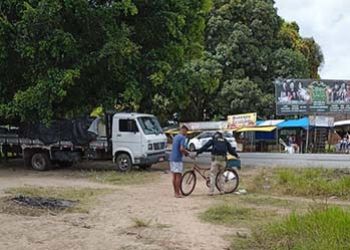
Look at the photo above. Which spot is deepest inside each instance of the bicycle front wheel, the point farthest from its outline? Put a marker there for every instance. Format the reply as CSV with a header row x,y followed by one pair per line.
x,y
188,183
227,181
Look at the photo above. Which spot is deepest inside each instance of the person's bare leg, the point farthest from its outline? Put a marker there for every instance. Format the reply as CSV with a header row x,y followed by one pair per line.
x,y
174,183
178,184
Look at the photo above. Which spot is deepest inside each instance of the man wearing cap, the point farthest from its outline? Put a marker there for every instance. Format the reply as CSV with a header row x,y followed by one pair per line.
x,y
220,148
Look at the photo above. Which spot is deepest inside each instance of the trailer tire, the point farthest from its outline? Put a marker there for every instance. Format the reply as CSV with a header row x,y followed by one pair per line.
x,y
123,162
40,161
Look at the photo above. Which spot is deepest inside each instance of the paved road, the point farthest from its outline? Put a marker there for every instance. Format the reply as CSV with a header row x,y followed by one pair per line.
x,y
287,160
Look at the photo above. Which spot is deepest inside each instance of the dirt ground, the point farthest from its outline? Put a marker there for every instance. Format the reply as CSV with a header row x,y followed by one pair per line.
x,y
110,224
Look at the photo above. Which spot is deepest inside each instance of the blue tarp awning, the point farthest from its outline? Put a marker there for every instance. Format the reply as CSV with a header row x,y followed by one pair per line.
x,y
259,122
300,123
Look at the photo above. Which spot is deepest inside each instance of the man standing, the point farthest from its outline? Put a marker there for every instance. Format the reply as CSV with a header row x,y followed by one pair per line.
x,y
220,148
176,163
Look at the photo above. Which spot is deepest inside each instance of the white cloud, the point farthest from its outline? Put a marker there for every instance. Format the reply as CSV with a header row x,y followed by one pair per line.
x,y
328,22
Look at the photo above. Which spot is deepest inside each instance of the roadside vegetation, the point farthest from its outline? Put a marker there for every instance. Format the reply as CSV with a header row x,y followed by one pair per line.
x,y
287,209
118,178
230,214
313,182
85,198
141,223
317,229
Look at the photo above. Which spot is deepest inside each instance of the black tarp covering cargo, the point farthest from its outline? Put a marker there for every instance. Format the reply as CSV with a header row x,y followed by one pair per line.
x,y
75,131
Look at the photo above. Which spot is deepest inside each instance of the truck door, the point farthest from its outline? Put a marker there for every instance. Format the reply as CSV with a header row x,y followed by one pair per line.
x,y
128,136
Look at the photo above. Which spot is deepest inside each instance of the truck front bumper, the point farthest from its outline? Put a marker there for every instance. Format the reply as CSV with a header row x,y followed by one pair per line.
x,y
151,159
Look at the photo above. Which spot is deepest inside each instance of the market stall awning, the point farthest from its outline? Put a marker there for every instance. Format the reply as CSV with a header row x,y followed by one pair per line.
x,y
269,123
257,129
342,123
299,123
177,131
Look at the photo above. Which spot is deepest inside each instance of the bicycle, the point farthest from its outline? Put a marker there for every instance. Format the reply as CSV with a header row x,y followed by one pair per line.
x,y
227,180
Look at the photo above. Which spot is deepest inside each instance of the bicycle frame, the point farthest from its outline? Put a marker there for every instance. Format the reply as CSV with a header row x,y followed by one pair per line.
x,y
200,171
189,178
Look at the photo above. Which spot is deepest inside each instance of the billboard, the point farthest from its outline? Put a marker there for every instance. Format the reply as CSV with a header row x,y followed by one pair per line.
x,y
242,120
307,96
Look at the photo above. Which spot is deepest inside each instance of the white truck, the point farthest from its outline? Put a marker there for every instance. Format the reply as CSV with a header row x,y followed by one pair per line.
x,y
128,139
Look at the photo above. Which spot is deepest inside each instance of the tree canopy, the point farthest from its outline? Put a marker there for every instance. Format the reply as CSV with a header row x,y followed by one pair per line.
x,y
64,58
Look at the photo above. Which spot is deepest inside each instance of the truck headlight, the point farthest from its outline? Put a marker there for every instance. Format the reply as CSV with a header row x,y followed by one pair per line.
x,y
150,146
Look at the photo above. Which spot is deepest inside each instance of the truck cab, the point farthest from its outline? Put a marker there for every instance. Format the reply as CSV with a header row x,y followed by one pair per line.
x,y
137,139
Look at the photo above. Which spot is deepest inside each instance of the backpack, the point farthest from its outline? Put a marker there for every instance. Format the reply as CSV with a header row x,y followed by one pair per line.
x,y
219,146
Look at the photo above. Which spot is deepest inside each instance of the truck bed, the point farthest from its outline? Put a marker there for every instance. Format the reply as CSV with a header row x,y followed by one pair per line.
x,y
15,140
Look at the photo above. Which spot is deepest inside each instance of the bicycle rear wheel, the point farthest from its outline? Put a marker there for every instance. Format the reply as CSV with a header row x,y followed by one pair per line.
x,y
188,183
227,181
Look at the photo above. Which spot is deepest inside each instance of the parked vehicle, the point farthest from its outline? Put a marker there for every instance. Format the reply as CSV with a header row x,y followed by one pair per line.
x,y
201,139
128,139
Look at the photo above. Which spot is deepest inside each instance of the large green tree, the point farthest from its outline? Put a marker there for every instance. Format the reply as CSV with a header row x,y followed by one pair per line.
x,y
61,58
169,34
255,46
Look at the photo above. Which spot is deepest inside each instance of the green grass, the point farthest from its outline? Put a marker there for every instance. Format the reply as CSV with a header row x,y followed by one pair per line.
x,y
138,223
85,196
313,182
118,178
228,214
319,229
266,201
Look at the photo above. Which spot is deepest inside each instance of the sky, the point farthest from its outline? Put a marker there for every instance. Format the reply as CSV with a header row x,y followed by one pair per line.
x,y
328,22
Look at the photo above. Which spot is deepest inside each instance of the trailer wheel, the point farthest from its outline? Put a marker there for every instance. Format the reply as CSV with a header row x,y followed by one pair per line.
x,y
40,161
123,162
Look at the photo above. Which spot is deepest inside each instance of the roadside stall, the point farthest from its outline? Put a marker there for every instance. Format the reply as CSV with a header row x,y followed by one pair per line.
x,y
321,134
260,138
295,128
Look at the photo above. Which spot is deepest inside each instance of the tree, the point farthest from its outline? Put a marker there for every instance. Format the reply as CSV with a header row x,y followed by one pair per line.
x,y
255,46
169,34
290,38
195,86
62,58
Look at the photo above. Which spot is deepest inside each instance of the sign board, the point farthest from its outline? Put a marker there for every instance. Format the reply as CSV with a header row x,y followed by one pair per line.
x,y
242,120
220,125
321,121
302,96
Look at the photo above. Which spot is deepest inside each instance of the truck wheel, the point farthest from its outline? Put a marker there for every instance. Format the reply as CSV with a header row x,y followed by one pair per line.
x,y
40,162
192,147
124,163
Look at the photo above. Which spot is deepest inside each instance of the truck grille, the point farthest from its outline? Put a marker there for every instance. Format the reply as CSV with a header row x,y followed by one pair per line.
x,y
159,145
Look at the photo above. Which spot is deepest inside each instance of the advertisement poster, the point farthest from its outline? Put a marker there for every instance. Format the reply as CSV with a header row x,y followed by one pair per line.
x,y
242,120
307,96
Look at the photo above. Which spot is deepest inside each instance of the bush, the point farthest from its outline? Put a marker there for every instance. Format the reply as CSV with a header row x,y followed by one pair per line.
x,y
316,230
312,182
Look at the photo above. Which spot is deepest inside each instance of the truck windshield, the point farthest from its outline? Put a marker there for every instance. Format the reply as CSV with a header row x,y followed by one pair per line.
x,y
150,125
